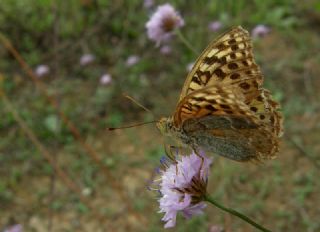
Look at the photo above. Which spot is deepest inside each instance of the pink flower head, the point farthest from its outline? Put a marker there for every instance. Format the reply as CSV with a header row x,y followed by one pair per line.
x,y
42,70
86,59
105,79
183,186
132,60
162,23
260,31
215,26
165,50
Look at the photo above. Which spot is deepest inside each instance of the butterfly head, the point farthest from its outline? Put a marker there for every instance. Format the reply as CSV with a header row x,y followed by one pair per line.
x,y
165,126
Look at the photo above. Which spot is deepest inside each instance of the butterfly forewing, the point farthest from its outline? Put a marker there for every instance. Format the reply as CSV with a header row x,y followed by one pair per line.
x,y
226,61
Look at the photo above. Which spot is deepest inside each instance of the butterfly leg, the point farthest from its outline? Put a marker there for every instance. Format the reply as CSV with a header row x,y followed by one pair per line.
x,y
201,157
171,152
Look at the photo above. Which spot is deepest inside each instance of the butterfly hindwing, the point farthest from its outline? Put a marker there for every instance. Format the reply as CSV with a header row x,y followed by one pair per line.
x,y
236,138
267,112
219,120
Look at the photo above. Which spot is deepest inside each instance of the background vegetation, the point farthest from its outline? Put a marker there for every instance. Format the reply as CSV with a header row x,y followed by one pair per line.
x,y
61,170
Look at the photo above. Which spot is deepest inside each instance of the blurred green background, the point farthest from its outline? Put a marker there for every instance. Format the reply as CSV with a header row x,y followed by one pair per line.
x,y
62,170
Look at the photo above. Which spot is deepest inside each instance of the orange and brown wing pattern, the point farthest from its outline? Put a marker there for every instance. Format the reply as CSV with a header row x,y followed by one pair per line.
x,y
212,100
221,121
226,61
267,111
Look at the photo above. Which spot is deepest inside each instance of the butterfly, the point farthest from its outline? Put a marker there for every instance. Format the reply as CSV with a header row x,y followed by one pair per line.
x,y
223,108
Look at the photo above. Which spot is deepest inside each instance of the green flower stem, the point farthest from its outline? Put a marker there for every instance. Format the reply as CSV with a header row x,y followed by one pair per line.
x,y
185,41
236,213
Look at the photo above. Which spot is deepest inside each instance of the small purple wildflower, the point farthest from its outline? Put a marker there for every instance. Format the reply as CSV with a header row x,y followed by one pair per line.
x,y
132,60
182,186
260,31
14,228
190,66
42,70
86,59
148,3
165,50
162,23
215,26
105,79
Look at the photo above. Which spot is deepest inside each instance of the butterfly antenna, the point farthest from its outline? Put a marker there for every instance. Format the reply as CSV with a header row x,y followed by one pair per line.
x,y
130,126
139,104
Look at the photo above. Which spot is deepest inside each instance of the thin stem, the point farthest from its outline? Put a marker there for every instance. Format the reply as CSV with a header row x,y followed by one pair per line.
x,y
236,213
186,42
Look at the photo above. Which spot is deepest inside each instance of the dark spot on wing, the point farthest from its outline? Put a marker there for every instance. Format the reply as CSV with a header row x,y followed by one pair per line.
x,y
212,101
244,86
262,117
232,41
208,75
234,47
228,111
260,98
200,98
233,66
235,76
210,60
221,46
245,63
254,109
272,119
219,73
211,108
196,79
224,106
223,60
233,55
